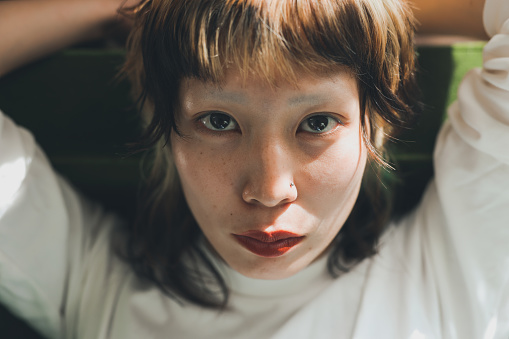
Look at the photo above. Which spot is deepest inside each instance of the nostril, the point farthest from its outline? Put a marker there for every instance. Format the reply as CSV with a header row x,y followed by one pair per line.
x,y
270,194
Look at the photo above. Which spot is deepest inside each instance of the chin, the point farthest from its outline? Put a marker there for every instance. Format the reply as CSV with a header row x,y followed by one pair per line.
x,y
271,268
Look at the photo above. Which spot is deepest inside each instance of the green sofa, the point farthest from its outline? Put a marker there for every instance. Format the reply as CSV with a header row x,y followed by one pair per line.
x,y
83,118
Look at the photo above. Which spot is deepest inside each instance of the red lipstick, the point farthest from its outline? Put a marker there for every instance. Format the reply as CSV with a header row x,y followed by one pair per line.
x,y
268,244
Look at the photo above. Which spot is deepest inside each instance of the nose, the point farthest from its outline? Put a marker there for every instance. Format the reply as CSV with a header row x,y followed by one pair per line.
x,y
269,181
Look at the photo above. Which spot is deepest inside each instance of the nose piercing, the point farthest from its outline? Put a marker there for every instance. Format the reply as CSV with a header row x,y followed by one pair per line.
x,y
292,184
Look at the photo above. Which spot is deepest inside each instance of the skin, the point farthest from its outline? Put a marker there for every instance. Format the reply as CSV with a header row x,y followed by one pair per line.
x,y
239,180
31,29
451,17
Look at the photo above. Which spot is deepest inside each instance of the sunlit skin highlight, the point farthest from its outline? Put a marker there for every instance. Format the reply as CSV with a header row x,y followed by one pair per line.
x,y
238,179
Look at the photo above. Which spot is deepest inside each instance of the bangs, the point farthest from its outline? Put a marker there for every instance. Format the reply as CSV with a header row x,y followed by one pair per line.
x,y
269,39
272,39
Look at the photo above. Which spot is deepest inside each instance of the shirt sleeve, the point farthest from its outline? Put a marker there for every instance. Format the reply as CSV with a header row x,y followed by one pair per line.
x,y
470,193
47,232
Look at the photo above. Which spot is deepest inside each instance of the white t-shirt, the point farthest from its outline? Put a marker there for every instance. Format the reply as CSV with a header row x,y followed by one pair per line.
x,y
442,272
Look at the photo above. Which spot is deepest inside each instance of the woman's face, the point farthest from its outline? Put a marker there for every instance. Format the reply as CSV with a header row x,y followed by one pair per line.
x,y
270,173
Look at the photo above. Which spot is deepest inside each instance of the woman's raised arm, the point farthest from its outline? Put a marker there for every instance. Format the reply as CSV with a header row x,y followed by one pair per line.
x,y
31,29
450,17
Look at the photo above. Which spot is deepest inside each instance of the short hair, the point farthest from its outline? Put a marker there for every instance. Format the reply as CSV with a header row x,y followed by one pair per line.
x,y
274,39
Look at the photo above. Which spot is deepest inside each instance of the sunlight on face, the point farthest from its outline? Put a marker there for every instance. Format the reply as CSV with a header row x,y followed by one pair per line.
x,y
258,160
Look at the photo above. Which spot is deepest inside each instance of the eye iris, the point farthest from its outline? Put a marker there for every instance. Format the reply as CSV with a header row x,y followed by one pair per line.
x,y
219,121
318,123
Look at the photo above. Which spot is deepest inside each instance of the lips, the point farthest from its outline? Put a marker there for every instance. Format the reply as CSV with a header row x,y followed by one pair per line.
x,y
268,244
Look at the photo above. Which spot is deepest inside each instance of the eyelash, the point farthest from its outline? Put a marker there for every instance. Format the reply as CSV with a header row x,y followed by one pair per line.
x,y
326,115
204,120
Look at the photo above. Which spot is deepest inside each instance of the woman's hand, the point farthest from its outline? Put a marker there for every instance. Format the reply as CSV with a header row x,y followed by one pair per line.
x,y
450,17
31,29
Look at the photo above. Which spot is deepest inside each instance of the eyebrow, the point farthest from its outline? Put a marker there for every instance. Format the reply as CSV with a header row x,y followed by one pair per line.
x,y
238,98
310,99
232,97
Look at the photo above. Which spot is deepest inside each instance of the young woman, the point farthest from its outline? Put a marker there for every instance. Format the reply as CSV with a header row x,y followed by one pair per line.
x,y
271,114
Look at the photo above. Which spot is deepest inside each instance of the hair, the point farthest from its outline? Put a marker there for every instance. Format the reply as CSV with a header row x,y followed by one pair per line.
x,y
274,39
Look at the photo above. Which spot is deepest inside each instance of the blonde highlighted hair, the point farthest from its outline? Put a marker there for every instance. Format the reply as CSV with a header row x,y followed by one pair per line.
x,y
274,39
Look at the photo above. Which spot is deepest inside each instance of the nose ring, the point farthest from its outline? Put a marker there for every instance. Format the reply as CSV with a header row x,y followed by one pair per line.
x,y
292,184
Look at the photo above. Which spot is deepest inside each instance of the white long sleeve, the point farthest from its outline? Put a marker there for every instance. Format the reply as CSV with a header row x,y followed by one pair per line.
x,y
472,180
36,290
48,236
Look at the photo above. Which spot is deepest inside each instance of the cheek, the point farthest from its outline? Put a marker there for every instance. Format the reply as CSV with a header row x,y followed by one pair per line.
x,y
205,177
332,181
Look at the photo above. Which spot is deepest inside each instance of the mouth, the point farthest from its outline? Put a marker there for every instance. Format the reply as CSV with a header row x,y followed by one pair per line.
x,y
268,244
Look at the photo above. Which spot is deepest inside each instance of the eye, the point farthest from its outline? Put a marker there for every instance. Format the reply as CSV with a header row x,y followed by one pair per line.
x,y
218,122
319,123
